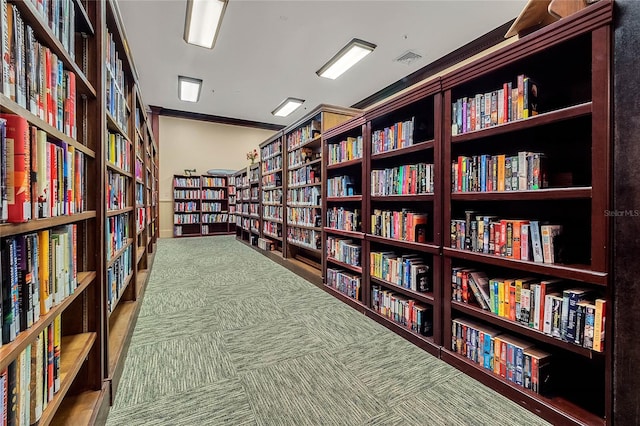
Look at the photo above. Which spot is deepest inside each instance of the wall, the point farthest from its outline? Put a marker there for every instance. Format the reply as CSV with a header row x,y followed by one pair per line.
x,y
200,145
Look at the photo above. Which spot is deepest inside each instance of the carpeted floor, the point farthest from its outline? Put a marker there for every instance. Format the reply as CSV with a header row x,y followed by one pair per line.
x,y
227,337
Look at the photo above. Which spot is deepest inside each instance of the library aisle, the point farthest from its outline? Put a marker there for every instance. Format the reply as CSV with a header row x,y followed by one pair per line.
x,y
226,336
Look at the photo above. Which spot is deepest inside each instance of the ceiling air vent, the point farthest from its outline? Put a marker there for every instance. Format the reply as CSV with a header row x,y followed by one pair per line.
x,y
408,57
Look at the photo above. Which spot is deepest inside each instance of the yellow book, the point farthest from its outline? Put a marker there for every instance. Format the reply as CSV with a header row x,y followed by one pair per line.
x,y
599,324
501,299
500,169
43,271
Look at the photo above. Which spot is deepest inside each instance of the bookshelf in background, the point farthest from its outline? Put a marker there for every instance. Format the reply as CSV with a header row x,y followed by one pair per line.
x,y
304,183
186,206
526,182
50,222
232,196
344,258
242,205
254,176
215,204
271,194
403,232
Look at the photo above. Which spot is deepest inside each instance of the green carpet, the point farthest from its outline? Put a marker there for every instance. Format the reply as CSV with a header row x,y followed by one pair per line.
x,y
227,337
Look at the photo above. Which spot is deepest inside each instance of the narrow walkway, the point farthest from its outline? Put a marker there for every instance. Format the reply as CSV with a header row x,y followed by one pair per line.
x,y
227,337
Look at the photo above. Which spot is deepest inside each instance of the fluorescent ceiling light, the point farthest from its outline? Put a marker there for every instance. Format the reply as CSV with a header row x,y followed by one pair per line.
x,y
203,20
347,57
189,89
287,107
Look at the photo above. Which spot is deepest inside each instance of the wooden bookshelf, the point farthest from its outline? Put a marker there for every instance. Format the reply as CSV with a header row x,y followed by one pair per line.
x,y
187,205
215,191
271,193
243,194
82,222
576,95
303,145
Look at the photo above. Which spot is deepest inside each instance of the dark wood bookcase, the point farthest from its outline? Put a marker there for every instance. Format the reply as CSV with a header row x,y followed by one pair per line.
x,y
307,135
243,198
96,322
255,207
215,189
271,193
187,206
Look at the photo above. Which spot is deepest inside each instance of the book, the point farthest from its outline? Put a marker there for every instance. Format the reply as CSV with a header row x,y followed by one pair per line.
x,y
538,371
548,235
18,152
599,325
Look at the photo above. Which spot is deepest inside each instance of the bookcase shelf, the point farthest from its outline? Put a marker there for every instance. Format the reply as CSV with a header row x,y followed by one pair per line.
x,y
538,194
412,149
528,123
83,408
346,198
352,234
113,125
12,107
11,229
402,198
344,164
424,342
571,272
421,247
120,211
556,409
422,297
489,317
82,18
75,350
352,268
301,165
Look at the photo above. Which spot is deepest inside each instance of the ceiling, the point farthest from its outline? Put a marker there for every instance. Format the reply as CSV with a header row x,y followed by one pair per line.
x,y
267,50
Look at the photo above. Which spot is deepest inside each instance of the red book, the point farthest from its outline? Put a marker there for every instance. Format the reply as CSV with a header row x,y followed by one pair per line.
x,y
18,168
70,105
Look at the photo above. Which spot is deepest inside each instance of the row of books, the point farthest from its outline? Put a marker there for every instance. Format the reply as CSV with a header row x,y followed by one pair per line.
x,y
254,175
186,194
266,244
29,383
272,213
514,239
513,359
574,315
255,193
303,134
245,194
117,233
300,156
271,181
271,164
402,310
118,276
399,135
346,220
483,110
33,76
254,209
341,186
186,219
60,17
272,228
400,225
215,218
304,237
213,181
345,150
119,152
186,206
232,182
344,250
117,191
213,194
273,196
345,282
403,180
309,196
193,182
38,272
304,175
487,173
179,231
304,216
408,271
58,170
271,150
116,85
211,207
